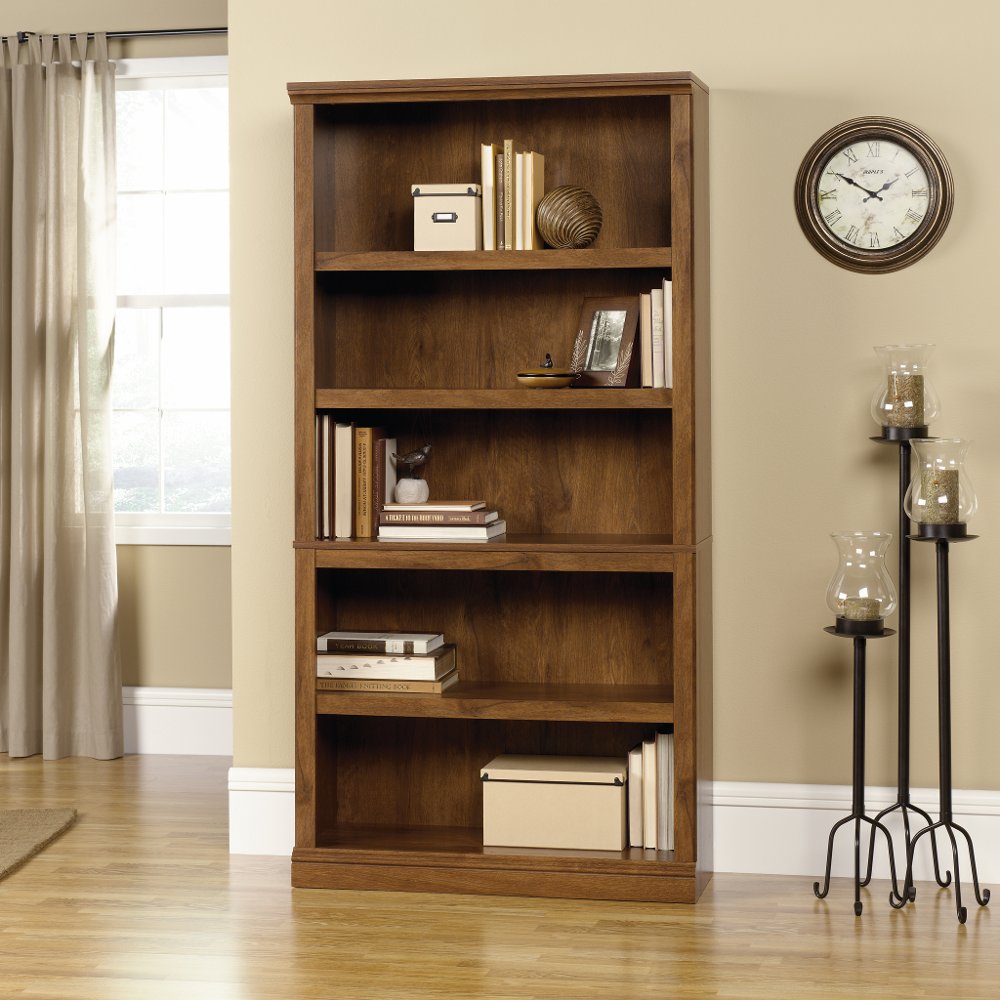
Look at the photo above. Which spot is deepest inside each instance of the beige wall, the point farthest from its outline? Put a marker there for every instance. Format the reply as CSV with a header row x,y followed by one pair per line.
x,y
792,359
175,622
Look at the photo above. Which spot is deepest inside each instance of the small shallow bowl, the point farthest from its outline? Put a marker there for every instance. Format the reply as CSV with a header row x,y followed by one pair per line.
x,y
547,378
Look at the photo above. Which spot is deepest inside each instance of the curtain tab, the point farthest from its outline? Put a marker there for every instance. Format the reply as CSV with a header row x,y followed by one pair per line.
x,y
81,46
100,46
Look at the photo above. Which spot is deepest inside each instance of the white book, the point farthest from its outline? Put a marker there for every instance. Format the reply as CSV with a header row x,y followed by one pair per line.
x,y
386,667
659,372
649,794
635,796
665,791
646,338
319,467
406,643
489,153
439,505
439,532
668,333
343,486
390,471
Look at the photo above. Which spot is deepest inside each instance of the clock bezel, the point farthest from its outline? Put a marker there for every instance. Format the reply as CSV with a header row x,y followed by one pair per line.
x,y
941,195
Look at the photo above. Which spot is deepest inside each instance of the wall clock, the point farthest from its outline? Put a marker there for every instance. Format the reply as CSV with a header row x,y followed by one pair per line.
x,y
874,194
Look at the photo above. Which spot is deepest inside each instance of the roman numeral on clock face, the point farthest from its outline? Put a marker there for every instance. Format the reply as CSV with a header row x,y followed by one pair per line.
x,y
873,148
873,242
852,234
826,195
832,218
912,216
852,157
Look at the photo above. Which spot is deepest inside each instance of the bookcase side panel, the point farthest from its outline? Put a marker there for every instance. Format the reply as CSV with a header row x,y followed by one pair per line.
x,y
306,789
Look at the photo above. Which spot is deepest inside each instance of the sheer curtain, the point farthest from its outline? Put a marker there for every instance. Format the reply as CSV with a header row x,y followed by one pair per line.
x,y
60,681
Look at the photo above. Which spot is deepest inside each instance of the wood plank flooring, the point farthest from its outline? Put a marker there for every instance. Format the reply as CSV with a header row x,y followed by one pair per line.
x,y
140,901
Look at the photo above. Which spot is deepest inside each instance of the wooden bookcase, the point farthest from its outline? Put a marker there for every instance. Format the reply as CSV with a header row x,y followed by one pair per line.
x,y
589,624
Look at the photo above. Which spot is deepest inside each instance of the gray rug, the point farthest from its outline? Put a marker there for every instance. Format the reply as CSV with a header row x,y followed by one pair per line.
x,y
24,832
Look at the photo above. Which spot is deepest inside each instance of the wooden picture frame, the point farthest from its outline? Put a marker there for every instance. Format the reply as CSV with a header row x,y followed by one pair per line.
x,y
603,352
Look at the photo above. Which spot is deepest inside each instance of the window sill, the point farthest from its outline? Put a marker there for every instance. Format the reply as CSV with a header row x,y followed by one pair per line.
x,y
166,534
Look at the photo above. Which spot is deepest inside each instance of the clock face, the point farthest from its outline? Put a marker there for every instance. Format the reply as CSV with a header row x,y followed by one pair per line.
x,y
873,194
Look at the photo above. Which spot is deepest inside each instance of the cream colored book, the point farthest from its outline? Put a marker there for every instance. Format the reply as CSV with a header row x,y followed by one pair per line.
x,y
387,686
534,189
659,372
668,333
635,796
519,201
649,794
646,338
665,791
488,153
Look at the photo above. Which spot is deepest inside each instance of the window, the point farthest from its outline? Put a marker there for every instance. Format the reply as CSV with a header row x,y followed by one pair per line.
x,y
170,386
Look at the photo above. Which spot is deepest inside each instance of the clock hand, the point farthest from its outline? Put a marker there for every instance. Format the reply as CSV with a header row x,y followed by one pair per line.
x,y
871,194
885,186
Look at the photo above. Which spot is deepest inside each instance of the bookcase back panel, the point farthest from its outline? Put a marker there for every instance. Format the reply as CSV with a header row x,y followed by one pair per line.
x,y
367,156
546,471
425,772
519,628
459,329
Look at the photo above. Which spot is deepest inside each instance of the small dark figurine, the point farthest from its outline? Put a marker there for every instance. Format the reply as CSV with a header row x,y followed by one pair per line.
x,y
408,465
548,361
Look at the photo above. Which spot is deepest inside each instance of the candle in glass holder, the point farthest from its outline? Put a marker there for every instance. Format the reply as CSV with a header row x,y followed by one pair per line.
x,y
939,495
862,609
904,400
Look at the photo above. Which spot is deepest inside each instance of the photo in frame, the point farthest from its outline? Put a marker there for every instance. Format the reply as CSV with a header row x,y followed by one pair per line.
x,y
603,353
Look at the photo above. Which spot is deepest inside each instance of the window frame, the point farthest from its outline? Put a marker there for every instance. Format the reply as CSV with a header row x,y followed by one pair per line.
x,y
172,528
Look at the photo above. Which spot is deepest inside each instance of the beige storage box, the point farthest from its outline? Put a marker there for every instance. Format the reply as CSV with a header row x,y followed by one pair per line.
x,y
563,802
447,217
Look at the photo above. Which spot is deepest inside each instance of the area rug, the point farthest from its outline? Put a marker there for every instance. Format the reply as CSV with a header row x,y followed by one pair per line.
x,y
24,832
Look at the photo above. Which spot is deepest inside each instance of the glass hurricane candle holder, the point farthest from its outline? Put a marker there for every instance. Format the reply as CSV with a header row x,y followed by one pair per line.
x,y
861,593
905,401
940,498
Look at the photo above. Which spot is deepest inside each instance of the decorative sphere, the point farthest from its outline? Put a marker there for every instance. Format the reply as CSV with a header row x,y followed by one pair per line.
x,y
411,491
569,218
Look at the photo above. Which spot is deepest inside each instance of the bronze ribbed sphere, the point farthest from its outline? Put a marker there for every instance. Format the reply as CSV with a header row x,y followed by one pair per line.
x,y
569,218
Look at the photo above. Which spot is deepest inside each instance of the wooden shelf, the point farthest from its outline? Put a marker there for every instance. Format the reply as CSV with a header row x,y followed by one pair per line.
x,y
546,702
493,260
494,399
453,859
567,553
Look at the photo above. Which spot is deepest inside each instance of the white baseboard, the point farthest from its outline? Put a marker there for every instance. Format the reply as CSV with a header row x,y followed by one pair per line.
x,y
196,721
760,827
261,810
783,829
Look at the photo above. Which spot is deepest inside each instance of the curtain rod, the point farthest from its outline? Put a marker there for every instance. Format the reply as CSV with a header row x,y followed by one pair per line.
x,y
22,36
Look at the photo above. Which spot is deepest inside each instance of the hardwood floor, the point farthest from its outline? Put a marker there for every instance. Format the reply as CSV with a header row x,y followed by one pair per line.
x,y
140,901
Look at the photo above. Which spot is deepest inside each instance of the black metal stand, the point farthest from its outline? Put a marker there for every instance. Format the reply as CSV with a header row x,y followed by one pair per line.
x,y
902,436
857,813
942,537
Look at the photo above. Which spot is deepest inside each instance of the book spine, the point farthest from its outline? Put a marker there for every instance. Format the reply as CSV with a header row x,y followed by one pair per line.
x,y
343,507
406,647
488,158
413,519
508,194
668,332
659,371
500,193
518,210
388,687
364,524
646,338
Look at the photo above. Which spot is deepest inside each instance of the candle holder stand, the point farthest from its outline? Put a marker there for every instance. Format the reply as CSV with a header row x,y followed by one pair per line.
x,y
859,632
902,437
943,535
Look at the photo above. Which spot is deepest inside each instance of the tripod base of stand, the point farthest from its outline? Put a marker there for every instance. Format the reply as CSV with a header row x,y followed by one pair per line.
x,y
903,807
909,890
876,826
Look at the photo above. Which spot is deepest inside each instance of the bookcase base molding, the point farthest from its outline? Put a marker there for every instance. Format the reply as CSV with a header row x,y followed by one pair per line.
x,y
499,874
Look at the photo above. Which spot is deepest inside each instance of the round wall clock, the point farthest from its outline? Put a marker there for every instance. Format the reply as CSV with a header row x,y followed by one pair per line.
x,y
874,194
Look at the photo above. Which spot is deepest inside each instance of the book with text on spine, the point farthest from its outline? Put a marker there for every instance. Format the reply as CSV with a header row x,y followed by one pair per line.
x,y
387,687
438,505
413,517
387,666
406,643
439,532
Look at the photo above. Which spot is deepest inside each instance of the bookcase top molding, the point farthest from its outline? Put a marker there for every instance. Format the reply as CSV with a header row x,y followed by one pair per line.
x,y
494,88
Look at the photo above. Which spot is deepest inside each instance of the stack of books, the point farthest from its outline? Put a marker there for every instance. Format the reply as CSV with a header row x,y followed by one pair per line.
x,y
656,336
354,477
513,185
440,521
651,793
390,662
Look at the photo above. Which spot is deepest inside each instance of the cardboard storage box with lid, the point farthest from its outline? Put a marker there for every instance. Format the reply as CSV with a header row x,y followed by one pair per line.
x,y
575,803
447,217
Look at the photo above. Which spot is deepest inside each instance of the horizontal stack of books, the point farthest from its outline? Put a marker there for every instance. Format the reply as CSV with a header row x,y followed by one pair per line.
x,y
651,793
390,662
440,521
